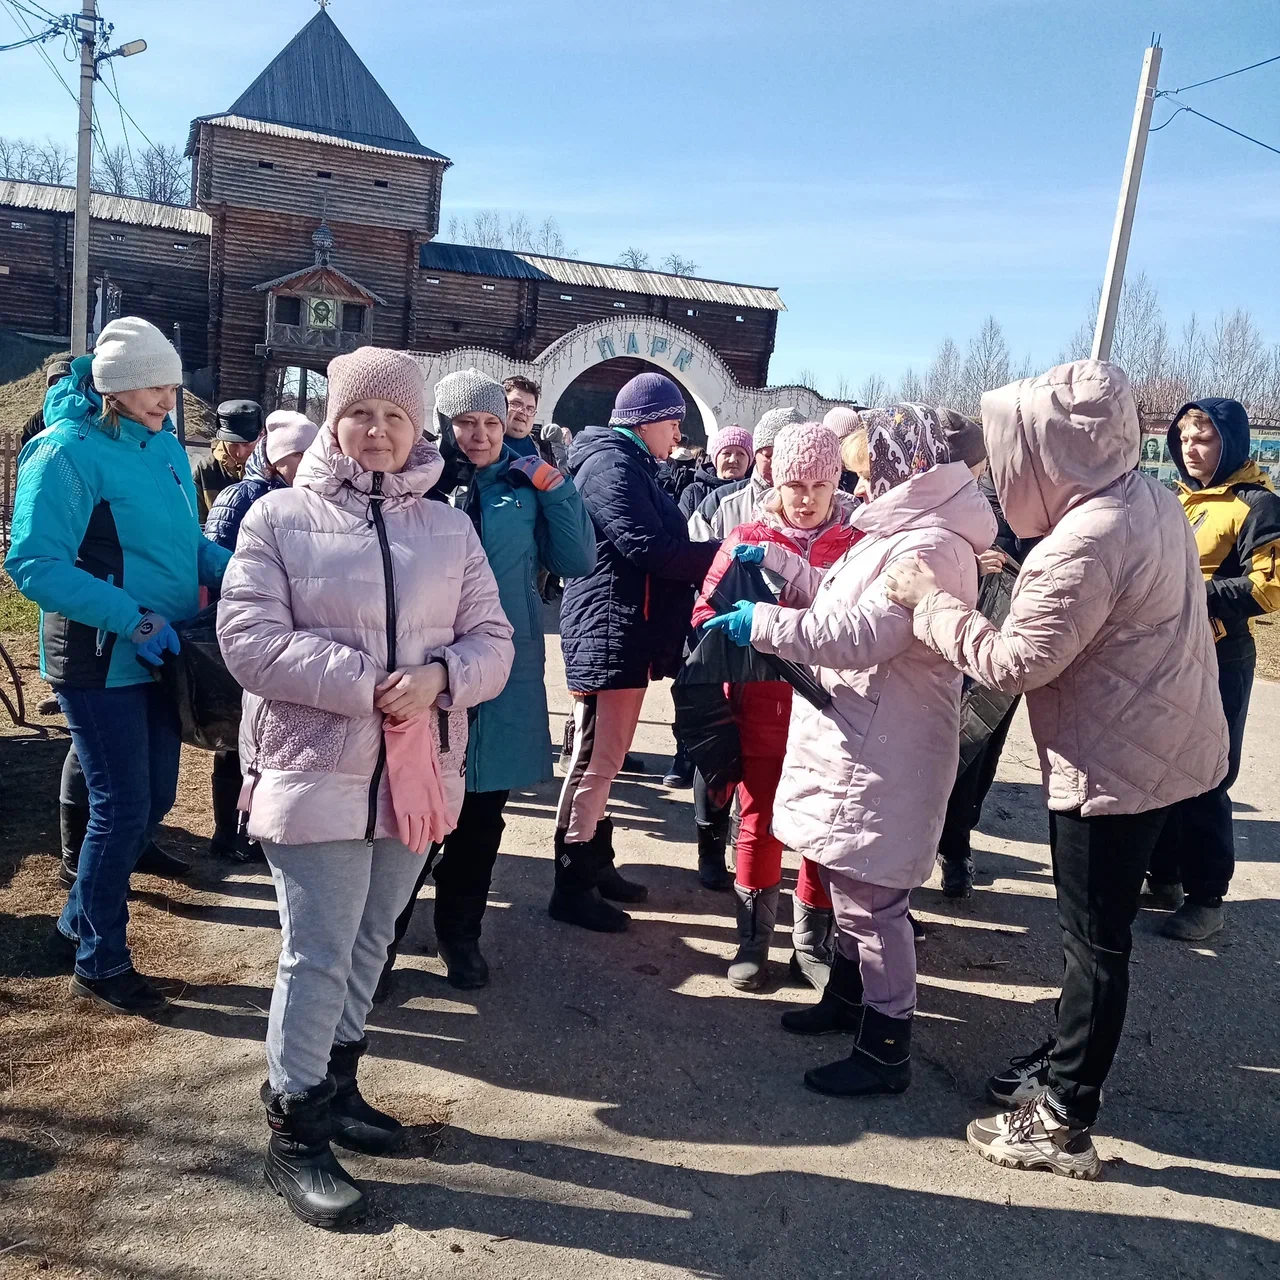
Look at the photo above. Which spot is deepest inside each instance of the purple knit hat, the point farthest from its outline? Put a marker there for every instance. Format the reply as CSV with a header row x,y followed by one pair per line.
x,y
375,373
730,437
806,451
648,397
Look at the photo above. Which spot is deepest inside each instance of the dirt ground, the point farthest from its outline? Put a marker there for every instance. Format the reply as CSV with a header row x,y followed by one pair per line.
x,y
609,1107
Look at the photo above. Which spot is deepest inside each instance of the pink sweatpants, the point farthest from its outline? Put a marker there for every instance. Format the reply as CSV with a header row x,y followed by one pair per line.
x,y
603,727
872,928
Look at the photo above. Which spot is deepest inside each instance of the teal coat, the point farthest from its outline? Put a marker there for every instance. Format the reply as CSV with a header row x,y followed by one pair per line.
x,y
523,528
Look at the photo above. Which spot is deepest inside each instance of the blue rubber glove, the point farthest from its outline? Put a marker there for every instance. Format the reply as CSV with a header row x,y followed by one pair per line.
x,y
737,624
153,637
748,553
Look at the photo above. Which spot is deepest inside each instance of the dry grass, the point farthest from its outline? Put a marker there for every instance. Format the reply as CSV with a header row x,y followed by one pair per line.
x,y
1267,633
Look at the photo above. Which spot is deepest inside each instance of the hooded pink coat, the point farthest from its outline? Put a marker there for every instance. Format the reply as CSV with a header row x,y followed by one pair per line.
x,y
1108,633
865,782
302,625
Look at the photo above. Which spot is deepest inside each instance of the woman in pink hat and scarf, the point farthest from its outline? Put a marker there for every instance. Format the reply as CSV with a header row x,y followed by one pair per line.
x,y
362,622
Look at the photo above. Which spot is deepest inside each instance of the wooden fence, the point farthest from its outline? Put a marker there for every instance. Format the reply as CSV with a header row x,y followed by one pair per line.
x,y
10,442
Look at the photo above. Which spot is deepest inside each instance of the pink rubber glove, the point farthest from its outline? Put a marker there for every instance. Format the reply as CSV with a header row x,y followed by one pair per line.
x,y
417,786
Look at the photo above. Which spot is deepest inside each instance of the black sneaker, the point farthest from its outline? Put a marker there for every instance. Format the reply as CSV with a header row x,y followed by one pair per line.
x,y
1027,1077
957,877
127,992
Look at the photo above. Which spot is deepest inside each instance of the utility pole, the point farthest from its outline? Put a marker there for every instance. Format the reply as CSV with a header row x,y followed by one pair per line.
x,y
88,30
1105,328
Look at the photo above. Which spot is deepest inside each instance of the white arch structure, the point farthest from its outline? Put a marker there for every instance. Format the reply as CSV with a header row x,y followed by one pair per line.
x,y
720,397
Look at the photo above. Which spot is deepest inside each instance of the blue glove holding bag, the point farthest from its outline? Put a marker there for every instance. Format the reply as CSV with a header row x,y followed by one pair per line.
x,y
748,553
737,625
153,637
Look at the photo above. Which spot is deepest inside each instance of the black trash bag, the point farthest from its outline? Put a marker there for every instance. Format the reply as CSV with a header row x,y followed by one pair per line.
x,y
202,689
982,709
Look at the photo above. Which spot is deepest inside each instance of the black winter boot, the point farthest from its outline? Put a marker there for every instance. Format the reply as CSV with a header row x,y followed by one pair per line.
x,y
811,938
300,1165
575,898
355,1124
228,840
840,1008
155,862
757,911
957,876
458,918
73,822
712,873
880,1061
608,881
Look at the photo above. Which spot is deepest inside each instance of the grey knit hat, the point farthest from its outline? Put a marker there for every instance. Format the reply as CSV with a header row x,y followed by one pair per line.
x,y
767,428
131,354
470,391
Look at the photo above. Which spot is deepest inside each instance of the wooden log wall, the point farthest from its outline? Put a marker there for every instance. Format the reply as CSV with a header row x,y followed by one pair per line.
x,y
34,271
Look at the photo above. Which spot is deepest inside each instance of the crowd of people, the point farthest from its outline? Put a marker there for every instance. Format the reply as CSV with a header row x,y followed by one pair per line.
x,y
818,590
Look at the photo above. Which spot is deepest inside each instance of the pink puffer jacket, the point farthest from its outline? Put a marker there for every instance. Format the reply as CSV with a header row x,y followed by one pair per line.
x,y
303,627
865,782
1108,633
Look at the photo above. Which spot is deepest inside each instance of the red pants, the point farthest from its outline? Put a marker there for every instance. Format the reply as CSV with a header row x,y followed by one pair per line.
x,y
758,851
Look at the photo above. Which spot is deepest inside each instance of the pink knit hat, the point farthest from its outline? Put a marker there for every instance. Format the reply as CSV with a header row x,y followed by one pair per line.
x,y
288,432
842,420
374,373
806,451
730,437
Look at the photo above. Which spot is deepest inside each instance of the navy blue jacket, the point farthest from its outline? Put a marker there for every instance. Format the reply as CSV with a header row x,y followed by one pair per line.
x,y
625,622
222,524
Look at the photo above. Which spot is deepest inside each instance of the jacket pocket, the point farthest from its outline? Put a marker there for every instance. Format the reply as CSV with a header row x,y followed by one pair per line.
x,y
450,732
299,739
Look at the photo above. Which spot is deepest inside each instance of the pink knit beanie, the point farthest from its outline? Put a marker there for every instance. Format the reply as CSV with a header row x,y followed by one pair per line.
x,y
288,432
842,420
375,373
730,437
806,451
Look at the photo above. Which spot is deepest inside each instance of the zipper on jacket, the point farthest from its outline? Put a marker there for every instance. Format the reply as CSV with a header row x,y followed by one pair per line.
x,y
102,634
177,479
389,587
443,724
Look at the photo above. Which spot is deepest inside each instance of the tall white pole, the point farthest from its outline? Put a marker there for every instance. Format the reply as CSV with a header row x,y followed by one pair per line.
x,y
88,31
1104,330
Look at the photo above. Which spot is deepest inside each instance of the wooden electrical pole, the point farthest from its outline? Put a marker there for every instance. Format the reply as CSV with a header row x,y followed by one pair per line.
x,y
88,30
1105,328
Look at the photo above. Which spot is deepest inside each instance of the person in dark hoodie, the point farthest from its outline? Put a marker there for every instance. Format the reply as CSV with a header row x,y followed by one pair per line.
x,y
621,626
1235,513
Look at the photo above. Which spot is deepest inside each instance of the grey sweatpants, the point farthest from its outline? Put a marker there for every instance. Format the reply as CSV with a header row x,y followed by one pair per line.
x,y
872,929
338,907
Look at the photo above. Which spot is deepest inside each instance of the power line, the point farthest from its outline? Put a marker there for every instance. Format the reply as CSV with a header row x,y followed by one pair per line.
x,y
1182,106
1214,79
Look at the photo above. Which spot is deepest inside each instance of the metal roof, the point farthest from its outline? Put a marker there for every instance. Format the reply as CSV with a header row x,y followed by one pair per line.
x,y
506,264
298,278
46,198
318,84
306,135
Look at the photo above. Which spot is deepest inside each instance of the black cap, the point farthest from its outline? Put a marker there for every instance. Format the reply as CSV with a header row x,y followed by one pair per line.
x,y
239,421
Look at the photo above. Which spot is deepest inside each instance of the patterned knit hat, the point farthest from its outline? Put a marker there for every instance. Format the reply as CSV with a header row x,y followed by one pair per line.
x,y
806,451
375,373
470,391
730,437
842,420
767,428
963,436
648,397
903,440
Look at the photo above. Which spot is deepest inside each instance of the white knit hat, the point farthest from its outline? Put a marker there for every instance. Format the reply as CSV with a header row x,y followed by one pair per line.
x,y
131,354
771,423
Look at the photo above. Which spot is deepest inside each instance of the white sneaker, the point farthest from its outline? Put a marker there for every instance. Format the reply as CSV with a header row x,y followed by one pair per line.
x,y
1032,1137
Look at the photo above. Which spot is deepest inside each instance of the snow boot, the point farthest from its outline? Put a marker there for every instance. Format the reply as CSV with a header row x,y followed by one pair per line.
x,y
712,873
608,881
457,918
957,876
355,1124
757,911
574,897
811,938
840,1008
679,774
73,822
300,1166
880,1061
156,862
228,840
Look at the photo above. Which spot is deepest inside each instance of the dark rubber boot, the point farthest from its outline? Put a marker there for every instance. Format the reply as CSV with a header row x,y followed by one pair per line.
x,y
957,876
575,899
608,881
300,1165
712,873
73,822
679,775
355,1124
155,862
757,912
811,938
880,1061
840,1008
228,840
458,918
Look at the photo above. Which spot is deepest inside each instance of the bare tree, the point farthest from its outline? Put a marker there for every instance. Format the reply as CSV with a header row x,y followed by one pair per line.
x,y
986,365
679,266
806,378
1238,358
113,173
942,378
1270,407
484,229
25,161
56,163
548,240
844,388
636,259
874,391
17,159
910,388
161,175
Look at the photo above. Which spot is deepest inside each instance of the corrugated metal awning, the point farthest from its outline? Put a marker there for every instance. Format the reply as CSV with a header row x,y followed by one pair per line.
x,y
45,198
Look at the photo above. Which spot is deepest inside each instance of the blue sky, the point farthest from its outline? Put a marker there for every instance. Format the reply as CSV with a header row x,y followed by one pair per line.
x,y
899,170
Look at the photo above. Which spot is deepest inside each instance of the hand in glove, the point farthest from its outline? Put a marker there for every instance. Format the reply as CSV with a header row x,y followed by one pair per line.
x,y
737,624
417,786
541,475
153,637
748,553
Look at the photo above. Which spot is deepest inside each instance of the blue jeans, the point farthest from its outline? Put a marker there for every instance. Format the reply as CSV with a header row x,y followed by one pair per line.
x,y
128,741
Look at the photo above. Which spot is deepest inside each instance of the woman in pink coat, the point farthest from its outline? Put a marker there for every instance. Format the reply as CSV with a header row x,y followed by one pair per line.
x,y
865,781
362,622
1108,636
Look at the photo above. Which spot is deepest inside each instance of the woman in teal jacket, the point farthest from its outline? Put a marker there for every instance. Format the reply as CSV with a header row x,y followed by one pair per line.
x,y
528,515
106,541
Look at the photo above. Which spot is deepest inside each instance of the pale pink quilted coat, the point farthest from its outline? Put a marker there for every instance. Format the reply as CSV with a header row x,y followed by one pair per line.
x,y
302,627
865,782
1108,633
